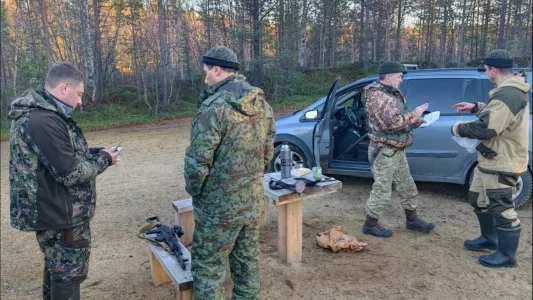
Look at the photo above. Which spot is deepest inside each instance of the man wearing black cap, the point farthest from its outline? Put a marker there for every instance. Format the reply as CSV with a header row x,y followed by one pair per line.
x,y
232,140
502,129
390,127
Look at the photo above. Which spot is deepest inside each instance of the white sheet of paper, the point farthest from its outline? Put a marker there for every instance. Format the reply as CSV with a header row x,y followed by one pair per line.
x,y
430,118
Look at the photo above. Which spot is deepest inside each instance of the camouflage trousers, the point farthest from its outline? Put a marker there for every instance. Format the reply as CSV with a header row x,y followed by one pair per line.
x,y
66,260
494,192
390,169
213,246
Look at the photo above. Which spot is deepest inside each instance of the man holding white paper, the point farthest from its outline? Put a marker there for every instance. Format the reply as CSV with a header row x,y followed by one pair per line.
x,y
502,129
390,126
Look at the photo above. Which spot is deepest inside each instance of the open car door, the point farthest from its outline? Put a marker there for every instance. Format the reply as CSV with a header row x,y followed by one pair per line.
x,y
322,134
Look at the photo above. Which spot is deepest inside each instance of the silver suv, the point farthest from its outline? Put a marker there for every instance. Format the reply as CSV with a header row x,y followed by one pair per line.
x,y
331,133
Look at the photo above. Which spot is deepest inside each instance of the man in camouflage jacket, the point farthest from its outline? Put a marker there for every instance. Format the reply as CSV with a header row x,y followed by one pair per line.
x,y
390,127
502,129
232,140
52,174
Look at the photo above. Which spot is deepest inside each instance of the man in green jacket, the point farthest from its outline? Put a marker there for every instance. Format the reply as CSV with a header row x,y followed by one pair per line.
x,y
52,173
232,140
502,129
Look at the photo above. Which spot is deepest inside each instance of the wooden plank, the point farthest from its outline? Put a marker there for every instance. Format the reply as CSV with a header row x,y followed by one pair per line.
x,y
290,232
185,295
282,232
306,195
159,274
182,278
184,217
182,206
186,221
283,196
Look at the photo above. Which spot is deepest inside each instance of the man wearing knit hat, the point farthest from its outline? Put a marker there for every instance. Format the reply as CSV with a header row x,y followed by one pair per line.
x,y
232,140
502,129
390,127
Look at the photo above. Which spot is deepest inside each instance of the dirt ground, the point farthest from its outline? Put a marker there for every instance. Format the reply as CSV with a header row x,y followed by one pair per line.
x,y
150,176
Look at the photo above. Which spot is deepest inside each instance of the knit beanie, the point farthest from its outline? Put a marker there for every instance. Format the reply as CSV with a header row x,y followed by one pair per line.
x,y
391,67
499,59
221,56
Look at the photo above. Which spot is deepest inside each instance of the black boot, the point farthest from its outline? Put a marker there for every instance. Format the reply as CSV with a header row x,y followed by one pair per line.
x,y
488,240
414,223
506,255
372,227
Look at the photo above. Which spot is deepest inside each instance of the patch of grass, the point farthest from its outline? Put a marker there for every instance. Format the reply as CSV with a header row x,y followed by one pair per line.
x,y
114,115
117,115
121,106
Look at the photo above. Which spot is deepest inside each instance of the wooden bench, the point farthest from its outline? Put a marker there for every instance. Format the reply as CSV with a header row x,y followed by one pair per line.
x,y
165,268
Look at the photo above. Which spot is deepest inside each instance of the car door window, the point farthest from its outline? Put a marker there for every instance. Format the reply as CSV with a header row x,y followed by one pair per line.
x,y
441,93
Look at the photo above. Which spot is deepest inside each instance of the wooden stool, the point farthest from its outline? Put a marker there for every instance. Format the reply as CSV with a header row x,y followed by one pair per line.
x,y
184,216
165,268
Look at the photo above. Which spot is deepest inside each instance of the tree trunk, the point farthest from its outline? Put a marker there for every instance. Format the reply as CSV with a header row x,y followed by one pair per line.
x,y
208,23
134,50
98,70
362,43
3,60
256,44
461,36
46,33
303,36
187,45
484,37
163,47
501,29
323,32
177,32
64,31
526,47
429,40
388,30
84,21
333,35
399,32
443,34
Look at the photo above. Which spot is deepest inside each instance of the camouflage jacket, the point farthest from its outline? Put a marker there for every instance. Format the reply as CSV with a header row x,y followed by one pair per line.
x,y
503,127
232,140
51,169
389,121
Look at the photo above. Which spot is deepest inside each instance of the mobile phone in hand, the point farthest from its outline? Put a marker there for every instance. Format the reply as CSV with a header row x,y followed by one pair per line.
x,y
117,147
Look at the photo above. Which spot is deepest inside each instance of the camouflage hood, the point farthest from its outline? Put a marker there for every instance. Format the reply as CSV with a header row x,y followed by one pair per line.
x,y
246,99
28,101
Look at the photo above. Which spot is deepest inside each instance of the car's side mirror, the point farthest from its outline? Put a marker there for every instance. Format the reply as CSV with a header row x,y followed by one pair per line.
x,y
311,115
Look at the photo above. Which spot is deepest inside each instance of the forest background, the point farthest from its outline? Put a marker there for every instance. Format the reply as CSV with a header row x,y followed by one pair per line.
x,y
142,58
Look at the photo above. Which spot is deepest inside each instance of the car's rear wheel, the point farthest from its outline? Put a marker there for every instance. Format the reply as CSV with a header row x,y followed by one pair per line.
x,y
523,188
298,157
